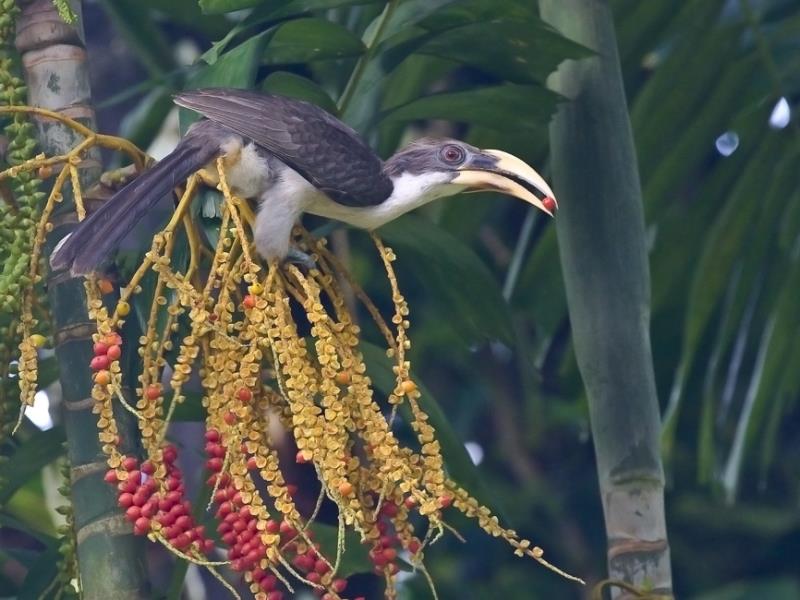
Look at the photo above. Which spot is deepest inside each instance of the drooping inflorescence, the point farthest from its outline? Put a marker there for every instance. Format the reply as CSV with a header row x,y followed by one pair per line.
x,y
272,348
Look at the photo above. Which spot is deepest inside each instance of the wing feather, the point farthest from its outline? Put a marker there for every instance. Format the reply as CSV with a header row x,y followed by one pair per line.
x,y
325,151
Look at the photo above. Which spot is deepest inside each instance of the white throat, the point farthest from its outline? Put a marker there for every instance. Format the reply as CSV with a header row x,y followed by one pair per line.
x,y
410,192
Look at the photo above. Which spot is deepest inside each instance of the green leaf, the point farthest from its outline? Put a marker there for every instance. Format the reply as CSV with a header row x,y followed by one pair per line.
x,y
235,69
520,51
142,34
296,86
774,589
304,40
277,9
28,459
527,107
447,268
212,7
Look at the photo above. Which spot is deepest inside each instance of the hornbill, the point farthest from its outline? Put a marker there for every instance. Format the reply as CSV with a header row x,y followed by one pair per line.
x,y
294,158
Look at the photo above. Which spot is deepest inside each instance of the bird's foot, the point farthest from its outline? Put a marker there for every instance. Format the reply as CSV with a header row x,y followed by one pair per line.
x,y
301,259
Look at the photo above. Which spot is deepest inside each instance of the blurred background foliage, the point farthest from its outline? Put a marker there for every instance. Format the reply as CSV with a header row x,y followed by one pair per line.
x,y
713,88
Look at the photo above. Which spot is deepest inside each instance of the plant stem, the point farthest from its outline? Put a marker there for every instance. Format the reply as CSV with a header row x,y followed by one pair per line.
x,y
363,60
110,559
604,259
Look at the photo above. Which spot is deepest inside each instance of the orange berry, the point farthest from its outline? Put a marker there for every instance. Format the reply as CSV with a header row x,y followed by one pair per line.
x,y
345,488
114,352
408,386
249,301
105,286
230,418
343,378
113,339
102,377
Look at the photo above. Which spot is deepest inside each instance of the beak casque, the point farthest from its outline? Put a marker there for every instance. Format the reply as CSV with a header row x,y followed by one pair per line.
x,y
509,175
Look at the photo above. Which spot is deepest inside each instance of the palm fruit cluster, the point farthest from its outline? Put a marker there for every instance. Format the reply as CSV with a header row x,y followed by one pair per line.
x,y
272,348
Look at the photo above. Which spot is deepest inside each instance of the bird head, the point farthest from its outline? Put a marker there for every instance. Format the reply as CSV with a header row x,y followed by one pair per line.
x,y
429,169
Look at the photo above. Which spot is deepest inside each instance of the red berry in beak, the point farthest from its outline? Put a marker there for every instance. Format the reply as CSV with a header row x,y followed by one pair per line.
x,y
550,204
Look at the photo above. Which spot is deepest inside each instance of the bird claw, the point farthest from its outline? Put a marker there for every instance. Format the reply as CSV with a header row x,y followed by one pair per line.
x,y
301,259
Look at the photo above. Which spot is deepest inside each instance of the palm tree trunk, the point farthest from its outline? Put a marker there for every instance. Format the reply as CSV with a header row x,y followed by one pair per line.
x,y
110,559
604,259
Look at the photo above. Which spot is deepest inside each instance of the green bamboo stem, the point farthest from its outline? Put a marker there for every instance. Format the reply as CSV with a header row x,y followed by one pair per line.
x,y
110,559
604,259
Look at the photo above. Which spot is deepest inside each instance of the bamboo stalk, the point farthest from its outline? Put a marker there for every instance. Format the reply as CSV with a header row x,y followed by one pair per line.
x,y
604,259
110,559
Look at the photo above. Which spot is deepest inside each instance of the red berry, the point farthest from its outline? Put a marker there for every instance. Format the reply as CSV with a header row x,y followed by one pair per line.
x,y
100,349
244,395
303,562
184,522
252,464
152,392
300,458
149,509
148,468
125,500
133,513
208,546
114,352
99,363
389,509
314,577
268,582
549,204
321,567
339,585
214,464
445,501
389,554
129,463
230,418
410,502
273,526
182,541
249,301
170,454
111,476
287,529
414,546
142,524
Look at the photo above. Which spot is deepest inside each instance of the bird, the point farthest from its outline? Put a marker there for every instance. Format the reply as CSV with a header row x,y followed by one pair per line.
x,y
294,157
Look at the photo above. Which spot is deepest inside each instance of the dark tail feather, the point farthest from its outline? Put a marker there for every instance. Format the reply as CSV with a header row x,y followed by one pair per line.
x,y
99,235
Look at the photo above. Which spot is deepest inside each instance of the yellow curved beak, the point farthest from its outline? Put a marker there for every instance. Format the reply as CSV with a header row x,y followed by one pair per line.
x,y
500,171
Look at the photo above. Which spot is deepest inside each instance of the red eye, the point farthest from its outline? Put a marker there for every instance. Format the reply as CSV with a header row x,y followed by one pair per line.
x,y
453,154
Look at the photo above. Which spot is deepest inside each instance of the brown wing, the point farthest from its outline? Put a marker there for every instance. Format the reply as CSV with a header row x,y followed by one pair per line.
x,y
325,151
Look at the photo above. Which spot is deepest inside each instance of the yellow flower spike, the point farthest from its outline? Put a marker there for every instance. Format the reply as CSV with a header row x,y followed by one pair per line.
x,y
316,388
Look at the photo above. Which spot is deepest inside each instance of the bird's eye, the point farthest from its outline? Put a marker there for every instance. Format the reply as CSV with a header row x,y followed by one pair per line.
x,y
453,154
